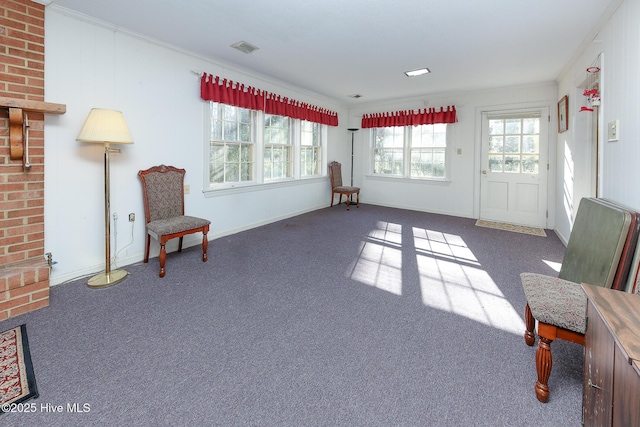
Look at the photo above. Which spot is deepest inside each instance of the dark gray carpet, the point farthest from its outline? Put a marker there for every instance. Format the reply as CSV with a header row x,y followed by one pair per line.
x,y
373,317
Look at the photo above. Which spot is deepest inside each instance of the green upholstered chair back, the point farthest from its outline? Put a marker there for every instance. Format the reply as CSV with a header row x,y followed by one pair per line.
x,y
596,242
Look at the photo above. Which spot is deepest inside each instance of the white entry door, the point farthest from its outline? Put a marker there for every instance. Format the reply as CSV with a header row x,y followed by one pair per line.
x,y
514,168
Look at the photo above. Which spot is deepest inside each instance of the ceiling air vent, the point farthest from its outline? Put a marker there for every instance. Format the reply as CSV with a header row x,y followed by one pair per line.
x,y
244,47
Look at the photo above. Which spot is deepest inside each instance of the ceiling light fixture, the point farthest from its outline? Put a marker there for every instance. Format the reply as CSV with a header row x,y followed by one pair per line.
x,y
355,95
244,47
418,72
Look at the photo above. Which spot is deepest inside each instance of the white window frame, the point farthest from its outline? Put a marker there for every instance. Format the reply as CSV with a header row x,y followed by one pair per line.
x,y
258,143
316,149
522,154
406,153
280,145
212,140
434,130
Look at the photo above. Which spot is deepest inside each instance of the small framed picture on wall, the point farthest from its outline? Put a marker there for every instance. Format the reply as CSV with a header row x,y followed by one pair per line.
x,y
563,114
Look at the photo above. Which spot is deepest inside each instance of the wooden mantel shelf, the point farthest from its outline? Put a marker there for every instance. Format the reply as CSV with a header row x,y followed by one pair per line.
x,y
35,106
19,127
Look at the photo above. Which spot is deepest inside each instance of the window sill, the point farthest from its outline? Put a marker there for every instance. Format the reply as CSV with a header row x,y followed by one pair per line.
x,y
421,181
250,188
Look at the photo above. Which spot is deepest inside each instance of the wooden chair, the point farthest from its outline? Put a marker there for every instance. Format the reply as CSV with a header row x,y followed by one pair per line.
x,y
335,176
163,192
602,242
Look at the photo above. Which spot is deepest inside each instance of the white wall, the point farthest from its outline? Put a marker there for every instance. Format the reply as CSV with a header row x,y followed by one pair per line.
x,y
91,64
458,196
618,43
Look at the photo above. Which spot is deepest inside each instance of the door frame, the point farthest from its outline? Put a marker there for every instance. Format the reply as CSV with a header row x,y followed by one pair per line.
x,y
552,133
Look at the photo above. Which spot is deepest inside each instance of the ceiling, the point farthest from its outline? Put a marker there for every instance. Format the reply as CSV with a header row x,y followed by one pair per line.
x,y
339,48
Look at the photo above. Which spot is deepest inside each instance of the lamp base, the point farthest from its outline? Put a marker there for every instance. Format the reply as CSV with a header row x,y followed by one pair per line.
x,y
103,280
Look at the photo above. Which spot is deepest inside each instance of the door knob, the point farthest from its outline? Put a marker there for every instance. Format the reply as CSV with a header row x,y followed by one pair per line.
x,y
484,172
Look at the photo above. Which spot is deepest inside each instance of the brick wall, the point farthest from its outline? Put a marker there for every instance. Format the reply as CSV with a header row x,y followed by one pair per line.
x,y
24,273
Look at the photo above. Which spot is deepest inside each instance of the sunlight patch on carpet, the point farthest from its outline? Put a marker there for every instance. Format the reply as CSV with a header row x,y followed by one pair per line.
x,y
380,262
534,231
554,265
452,280
451,277
466,290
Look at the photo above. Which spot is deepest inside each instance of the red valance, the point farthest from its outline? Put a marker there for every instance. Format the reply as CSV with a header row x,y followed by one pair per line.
x,y
283,106
410,118
231,93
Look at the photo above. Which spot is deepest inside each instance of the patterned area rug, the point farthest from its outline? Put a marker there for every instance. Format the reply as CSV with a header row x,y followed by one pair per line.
x,y
512,227
17,380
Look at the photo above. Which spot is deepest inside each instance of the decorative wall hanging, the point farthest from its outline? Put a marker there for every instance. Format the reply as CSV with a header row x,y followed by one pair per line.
x,y
592,89
563,114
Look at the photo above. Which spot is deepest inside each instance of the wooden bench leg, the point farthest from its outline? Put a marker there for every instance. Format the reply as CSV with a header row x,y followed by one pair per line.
x,y
543,366
530,323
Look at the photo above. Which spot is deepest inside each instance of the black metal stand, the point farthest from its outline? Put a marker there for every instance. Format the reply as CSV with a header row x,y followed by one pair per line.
x,y
352,130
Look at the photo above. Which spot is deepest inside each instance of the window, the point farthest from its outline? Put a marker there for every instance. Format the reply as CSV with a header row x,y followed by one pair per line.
x,y
278,148
247,147
428,149
514,144
388,151
410,151
310,149
232,147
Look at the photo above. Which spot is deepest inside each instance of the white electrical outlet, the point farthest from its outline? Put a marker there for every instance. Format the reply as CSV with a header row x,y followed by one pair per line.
x,y
187,189
613,130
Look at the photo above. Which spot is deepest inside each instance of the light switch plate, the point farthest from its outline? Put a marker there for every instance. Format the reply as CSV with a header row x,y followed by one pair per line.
x,y
613,130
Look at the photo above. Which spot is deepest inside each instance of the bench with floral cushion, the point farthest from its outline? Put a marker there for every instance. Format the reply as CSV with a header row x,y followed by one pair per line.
x,y
599,252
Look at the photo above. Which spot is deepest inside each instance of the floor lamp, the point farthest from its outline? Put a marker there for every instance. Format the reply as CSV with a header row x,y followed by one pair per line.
x,y
352,130
106,127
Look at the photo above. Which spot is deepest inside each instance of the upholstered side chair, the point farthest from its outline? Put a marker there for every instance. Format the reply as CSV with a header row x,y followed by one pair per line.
x,y
335,176
163,192
603,237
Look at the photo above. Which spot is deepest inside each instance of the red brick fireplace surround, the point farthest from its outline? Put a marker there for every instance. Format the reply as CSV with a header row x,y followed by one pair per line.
x,y
24,271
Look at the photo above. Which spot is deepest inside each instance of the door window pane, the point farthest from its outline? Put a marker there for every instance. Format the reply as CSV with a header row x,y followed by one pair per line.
x,y
514,144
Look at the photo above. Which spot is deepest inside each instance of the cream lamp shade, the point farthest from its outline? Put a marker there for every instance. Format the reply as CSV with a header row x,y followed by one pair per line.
x,y
105,126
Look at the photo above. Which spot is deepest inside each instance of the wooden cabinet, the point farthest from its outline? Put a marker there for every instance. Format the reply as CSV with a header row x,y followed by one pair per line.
x,y
625,392
597,400
611,388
